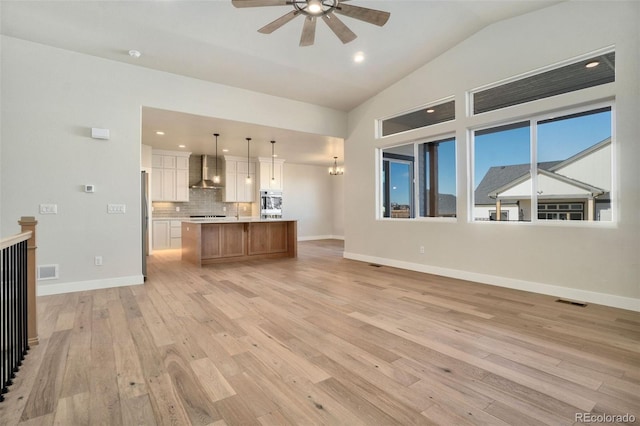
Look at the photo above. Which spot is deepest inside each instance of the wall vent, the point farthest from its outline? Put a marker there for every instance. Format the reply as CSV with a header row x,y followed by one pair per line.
x,y
570,302
47,272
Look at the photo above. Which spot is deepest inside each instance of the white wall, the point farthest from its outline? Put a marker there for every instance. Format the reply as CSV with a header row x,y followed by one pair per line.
x,y
309,197
599,263
51,98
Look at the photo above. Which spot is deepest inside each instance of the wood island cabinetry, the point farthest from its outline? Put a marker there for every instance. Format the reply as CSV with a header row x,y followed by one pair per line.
x,y
211,242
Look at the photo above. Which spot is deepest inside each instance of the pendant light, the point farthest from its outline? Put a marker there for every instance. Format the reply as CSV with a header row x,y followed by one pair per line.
x,y
216,176
248,176
273,156
335,170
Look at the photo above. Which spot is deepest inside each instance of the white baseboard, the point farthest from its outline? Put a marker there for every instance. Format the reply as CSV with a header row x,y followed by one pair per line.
x,y
49,289
321,237
612,300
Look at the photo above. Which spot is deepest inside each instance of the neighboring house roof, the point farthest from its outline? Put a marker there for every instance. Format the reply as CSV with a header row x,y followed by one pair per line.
x,y
446,204
499,178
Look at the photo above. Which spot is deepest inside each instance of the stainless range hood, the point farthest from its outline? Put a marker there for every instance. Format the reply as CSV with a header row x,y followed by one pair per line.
x,y
204,182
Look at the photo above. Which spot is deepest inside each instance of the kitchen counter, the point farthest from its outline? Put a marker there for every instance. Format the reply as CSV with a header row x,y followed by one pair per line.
x,y
218,240
233,219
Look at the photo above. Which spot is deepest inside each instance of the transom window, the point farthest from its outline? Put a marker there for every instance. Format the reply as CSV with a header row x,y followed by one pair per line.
x,y
423,117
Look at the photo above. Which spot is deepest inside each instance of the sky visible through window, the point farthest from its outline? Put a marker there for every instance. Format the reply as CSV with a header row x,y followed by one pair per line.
x,y
557,140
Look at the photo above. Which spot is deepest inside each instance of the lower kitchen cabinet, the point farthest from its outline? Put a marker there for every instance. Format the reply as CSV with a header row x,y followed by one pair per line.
x,y
222,240
167,234
267,237
205,243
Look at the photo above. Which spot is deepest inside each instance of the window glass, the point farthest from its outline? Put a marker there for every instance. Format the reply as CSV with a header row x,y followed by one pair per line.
x,y
501,181
438,178
576,76
423,117
574,166
397,182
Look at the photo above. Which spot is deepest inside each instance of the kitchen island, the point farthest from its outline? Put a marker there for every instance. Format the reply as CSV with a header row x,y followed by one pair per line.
x,y
228,240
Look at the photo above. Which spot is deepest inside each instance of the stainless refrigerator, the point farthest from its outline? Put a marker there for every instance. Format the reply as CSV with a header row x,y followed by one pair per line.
x,y
144,197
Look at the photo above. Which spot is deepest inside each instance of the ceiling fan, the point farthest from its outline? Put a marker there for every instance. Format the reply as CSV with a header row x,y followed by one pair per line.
x,y
313,9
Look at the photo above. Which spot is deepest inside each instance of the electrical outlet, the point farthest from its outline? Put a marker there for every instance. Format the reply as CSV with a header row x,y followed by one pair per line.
x,y
421,249
98,260
224,208
177,209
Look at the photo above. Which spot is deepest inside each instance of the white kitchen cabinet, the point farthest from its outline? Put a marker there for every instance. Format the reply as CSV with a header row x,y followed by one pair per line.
x,y
236,188
268,169
170,176
161,234
167,234
175,234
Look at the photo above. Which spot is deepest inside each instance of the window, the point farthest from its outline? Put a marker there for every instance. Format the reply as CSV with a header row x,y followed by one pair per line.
x,y
423,117
397,182
502,164
578,75
431,166
571,177
574,165
438,178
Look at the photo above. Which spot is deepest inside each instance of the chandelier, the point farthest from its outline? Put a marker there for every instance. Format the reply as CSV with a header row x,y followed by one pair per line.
x,y
335,170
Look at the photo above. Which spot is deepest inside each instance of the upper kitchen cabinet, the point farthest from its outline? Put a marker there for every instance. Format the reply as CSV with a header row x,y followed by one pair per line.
x,y
170,176
236,188
271,173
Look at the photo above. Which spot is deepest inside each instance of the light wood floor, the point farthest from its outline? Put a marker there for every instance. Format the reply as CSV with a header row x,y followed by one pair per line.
x,y
321,340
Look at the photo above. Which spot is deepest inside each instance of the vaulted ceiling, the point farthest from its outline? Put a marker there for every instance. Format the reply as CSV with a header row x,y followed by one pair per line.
x,y
214,41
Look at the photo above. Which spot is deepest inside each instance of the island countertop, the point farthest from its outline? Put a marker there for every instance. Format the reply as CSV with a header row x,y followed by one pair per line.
x,y
232,219
218,240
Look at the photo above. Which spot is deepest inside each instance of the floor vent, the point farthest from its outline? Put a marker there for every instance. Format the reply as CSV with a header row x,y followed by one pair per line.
x,y
47,272
375,266
570,302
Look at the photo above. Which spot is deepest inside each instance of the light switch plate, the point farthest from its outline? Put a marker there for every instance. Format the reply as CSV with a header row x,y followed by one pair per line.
x,y
116,208
48,209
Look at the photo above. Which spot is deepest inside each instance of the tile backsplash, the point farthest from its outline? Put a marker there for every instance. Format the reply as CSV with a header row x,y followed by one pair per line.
x,y
201,201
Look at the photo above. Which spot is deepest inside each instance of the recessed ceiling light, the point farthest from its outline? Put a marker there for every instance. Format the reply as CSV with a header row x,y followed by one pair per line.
x,y
182,146
134,53
430,111
160,132
274,155
592,64
225,150
358,57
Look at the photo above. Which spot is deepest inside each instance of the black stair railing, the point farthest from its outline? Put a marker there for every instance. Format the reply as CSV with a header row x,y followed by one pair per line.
x,y
14,339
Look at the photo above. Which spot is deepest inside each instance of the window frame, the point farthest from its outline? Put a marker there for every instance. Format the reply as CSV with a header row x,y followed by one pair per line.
x,y
415,207
534,121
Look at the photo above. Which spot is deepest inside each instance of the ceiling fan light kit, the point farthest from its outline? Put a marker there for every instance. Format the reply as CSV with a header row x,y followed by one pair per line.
x,y
311,10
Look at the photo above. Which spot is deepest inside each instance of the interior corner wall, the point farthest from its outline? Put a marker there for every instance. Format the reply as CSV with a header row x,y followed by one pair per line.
x,y
50,101
307,196
598,264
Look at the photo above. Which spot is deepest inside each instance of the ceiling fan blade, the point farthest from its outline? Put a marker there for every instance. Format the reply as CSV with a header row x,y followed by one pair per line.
x,y
272,26
372,16
339,28
259,3
308,31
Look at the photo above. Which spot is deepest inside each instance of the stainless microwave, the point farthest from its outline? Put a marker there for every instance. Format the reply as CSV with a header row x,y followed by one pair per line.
x,y
270,204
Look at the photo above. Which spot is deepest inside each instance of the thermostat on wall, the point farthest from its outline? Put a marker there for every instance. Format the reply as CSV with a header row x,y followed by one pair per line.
x,y
89,188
